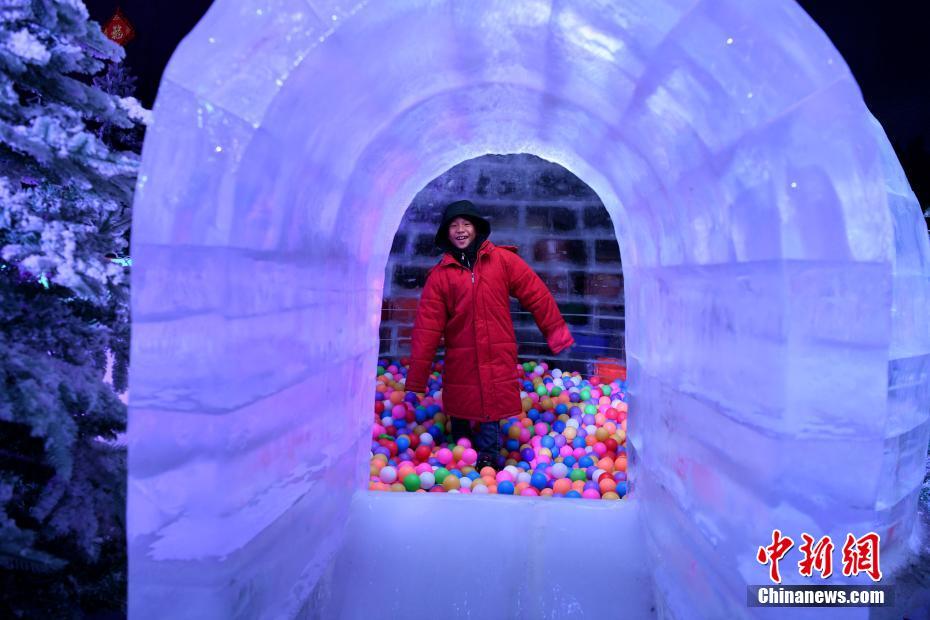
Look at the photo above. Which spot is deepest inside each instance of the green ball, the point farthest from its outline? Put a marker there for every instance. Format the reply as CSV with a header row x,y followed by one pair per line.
x,y
440,474
541,389
590,409
526,366
606,390
386,436
585,394
556,390
532,365
411,482
578,474
381,370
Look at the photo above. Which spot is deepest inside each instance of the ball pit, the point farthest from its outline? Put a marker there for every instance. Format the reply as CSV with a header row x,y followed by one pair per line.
x,y
569,441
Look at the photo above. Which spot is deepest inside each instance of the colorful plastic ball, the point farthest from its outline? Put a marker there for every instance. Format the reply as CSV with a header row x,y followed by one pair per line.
x,y
451,483
573,494
578,474
441,474
621,488
470,456
426,439
505,487
590,494
388,474
427,480
479,489
444,455
610,495
529,492
539,480
403,442
411,482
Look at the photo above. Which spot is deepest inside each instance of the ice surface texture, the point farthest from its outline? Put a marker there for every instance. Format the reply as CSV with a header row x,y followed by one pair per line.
x,y
777,276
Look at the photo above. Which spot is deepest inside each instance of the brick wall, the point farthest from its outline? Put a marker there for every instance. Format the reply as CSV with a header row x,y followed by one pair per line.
x,y
562,231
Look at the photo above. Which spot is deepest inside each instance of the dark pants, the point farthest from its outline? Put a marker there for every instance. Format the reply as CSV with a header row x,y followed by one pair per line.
x,y
487,440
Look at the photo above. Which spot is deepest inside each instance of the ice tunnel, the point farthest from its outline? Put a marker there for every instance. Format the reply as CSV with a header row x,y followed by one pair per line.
x,y
777,284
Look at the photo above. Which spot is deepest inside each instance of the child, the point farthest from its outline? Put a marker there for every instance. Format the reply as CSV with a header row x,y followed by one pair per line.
x,y
467,299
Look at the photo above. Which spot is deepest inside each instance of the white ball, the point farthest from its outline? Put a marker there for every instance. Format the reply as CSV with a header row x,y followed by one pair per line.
x,y
572,422
465,481
524,477
427,480
388,474
513,471
556,373
480,489
426,439
559,470
388,421
591,429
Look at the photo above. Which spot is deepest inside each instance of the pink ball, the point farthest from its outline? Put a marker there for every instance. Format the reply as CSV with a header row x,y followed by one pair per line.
x,y
565,450
464,490
465,442
444,455
544,458
377,430
600,449
578,453
524,435
604,400
423,467
398,411
541,428
470,456
590,494
529,491
504,476
534,397
536,441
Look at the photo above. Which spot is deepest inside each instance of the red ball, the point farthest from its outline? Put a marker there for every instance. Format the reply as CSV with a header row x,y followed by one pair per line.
x,y
414,441
422,453
379,407
611,444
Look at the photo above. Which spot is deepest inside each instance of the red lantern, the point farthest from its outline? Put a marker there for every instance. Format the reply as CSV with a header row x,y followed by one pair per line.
x,y
119,29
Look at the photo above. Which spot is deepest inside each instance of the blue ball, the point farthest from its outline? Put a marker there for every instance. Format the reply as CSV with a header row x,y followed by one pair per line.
x,y
432,410
574,397
547,441
402,443
421,415
436,432
539,481
561,408
527,386
528,454
532,414
473,475
400,423
573,493
578,442
569,461
513,444
456,472
506,488
558,426
523,465
585,462
621,488
379,396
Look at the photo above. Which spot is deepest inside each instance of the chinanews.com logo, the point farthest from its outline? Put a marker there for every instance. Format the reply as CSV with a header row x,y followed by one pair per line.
x,y
859,556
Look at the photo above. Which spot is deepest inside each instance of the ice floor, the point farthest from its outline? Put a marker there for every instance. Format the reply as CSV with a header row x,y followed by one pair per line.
x,y
777,280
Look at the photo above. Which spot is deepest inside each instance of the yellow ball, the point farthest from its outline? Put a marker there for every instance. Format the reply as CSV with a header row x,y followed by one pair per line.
x,y
610,495
451,482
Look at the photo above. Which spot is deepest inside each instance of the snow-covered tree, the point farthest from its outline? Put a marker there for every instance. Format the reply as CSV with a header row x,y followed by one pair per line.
x,y
66,183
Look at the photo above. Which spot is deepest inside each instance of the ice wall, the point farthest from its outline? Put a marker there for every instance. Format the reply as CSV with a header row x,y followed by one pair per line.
x,y
776,269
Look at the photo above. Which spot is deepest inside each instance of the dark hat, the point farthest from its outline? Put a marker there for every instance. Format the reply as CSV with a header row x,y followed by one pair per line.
x,y
461,208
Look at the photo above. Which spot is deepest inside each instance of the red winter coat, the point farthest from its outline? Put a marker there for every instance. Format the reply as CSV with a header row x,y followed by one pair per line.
x,y
472,310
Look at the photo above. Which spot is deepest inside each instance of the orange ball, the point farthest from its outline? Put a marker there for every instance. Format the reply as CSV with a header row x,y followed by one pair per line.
x,y
621,463
513,432
547,492
457,452
607,484
488,472
623,425
519,487
546,403
577,485
492,488
621,435
601,434
611,427
600,419
562,486
487,480
622,407
606,464
450,483
374,469
396,397
527,405
590,440
398,487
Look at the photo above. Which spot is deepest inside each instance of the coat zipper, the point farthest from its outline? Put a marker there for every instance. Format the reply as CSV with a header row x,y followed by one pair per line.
x,y
474,300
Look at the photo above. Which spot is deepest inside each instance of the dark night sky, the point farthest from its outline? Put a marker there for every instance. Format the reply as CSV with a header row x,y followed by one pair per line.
x,y
884,43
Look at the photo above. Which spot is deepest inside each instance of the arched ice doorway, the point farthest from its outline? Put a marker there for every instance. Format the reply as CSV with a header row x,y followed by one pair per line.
x,y
775,264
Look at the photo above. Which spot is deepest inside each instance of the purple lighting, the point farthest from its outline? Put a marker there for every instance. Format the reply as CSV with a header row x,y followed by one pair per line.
x,y
777,279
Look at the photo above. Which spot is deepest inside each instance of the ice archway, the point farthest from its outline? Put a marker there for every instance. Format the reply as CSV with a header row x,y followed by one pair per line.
x,y
776,274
